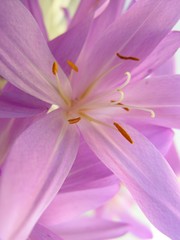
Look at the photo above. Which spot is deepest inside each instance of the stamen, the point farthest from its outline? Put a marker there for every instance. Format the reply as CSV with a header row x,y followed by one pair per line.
x,y
55,68
60,90
74,120
123,132
127,58
128,74
142,109
128,107
72,66
125,108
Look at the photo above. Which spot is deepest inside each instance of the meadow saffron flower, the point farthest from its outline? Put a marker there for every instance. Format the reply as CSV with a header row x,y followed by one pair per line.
x,y
96,97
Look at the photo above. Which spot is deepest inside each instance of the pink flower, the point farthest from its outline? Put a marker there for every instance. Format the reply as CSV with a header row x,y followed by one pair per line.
x,y
95,99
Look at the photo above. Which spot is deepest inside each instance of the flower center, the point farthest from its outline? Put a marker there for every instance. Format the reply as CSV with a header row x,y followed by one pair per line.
x,y
79,108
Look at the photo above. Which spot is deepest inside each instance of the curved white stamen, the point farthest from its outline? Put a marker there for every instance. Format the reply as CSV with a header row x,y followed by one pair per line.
x,y
128,74
121,97
138,108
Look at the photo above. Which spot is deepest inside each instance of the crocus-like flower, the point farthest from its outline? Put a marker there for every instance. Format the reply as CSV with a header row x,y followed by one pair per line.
x,y
97,100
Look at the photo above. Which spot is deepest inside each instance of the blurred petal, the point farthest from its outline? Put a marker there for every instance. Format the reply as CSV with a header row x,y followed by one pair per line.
x,y
136,227
174,158
83,9
167,68
41,233
67,206
38,163
90,229
142,168
105,19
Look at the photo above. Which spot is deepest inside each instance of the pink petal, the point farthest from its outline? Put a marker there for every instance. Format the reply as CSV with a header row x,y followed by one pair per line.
x,y
90,229
83,8
174,158
9,131
167,68
144,171
25,59
155,134
161,94
41,233
16,103
68,46
67,206
33,173
166,49
104,20
87,166
34,8
136,33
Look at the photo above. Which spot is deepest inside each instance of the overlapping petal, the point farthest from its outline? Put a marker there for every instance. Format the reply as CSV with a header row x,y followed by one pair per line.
x,y
139,33
83,10
173,158
10,130
141,167
25,58
34,8
164,51
87,166
155,134
68,45
90,229
38,163
161,94
42,233
69,205
16,103
105,19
